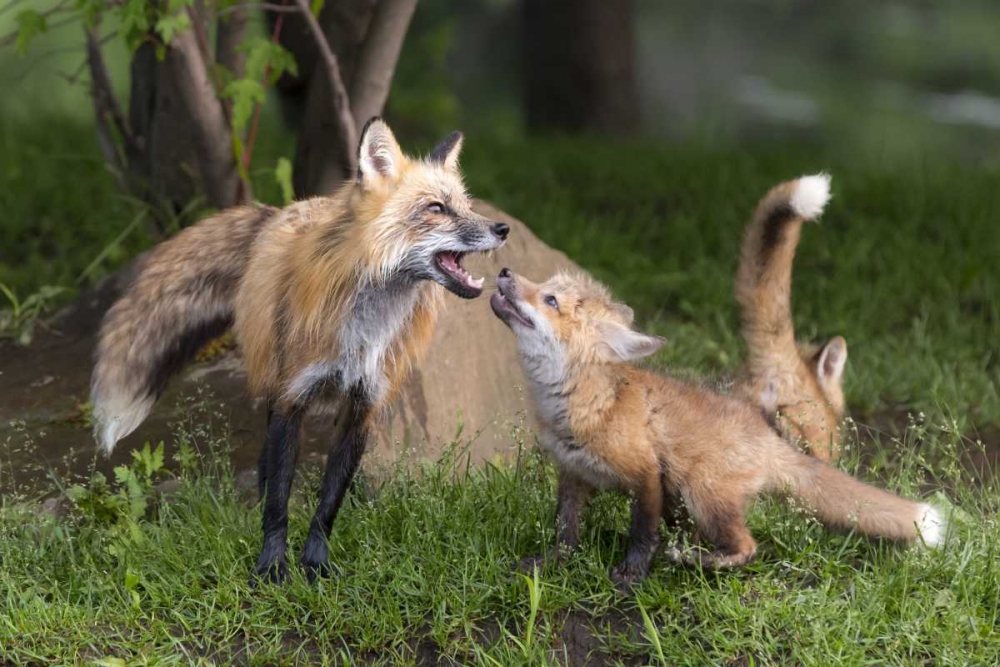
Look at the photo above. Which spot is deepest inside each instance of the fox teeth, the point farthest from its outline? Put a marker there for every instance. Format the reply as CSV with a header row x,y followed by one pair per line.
x,y
474,282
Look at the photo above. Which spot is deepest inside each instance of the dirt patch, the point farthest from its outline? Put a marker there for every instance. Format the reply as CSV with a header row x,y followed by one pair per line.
x,y
594,641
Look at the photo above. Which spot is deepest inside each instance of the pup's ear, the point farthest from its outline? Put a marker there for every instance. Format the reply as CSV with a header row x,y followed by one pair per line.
x,y
624,312
446,152
379,155
831,360
619,343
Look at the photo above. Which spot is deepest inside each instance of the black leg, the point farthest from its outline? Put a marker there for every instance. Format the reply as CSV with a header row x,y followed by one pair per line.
x,y
341,464
644,534
278,464
262,463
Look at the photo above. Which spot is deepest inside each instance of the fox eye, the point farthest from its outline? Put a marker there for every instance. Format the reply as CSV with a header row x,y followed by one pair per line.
x,y
551,301
436,208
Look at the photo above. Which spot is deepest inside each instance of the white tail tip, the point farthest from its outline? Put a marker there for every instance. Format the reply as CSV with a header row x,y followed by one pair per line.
x,y
811,195
932,525
115,421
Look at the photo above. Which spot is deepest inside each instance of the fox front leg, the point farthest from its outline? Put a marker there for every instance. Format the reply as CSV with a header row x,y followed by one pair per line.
x,y
341,464
571,502
277,467
644,534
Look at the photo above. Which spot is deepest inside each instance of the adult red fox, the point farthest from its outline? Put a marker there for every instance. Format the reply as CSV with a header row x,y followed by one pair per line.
x,y
609,424
798,385
332,299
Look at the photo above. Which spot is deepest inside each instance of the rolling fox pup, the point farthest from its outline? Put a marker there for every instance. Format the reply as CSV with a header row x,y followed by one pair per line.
x,y
332,301
797,385
609,424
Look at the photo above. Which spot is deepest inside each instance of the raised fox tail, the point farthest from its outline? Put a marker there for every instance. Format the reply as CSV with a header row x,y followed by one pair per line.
x,y
764,277
181,298
841,501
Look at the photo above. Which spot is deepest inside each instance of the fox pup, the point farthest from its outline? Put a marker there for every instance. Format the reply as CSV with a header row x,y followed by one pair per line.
x,y
609,424
332,301
797,385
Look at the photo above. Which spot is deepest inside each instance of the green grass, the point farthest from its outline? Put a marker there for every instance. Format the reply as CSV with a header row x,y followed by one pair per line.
x,y
902,264
426,571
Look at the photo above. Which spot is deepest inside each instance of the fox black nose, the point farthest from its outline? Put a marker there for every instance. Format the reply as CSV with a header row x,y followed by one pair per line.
x,y
505,272
501,229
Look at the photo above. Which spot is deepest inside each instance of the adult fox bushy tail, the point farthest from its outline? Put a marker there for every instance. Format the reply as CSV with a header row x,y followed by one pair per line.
x,y
799,384
332,301
609,424
183,296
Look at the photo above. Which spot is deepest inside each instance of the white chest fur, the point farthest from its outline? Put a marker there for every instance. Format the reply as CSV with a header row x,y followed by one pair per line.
x,y
546,374
377,318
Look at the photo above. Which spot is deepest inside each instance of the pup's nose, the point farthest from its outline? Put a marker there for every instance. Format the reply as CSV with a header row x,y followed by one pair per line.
x,y
501,229
505,272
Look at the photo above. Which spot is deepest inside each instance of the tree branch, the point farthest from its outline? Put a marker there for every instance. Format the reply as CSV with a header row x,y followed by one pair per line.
x,y
341,101
106,111
265,6
229,34
378,58
194,85
104,92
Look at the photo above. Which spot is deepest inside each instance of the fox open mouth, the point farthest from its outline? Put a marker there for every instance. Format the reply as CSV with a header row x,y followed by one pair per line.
x,y
506,309
457,279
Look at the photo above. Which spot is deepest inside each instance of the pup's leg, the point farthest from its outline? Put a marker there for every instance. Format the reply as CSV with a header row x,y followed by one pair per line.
x,y
277,469
644,534
341,464
574,495
721,520
571,502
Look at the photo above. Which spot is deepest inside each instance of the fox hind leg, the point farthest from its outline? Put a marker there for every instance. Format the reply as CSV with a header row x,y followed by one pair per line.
x,y
723,523
341,464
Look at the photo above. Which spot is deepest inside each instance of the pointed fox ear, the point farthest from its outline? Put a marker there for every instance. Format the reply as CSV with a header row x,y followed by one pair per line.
x,y
379,155
831,360
446,152
619,343
624,312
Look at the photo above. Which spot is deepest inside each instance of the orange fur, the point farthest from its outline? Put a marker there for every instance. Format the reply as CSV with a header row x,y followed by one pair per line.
x,y
799,384
610,424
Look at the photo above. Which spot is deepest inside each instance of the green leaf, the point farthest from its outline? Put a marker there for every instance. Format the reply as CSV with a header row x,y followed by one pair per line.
x,y
135,17
245,93
266,57
316,6
170,24
30,24
283,175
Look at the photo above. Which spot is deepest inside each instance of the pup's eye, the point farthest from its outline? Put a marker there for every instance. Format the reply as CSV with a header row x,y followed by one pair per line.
x,y
435,208
551,301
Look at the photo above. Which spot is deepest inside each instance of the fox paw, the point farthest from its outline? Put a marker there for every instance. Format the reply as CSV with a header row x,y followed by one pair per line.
x,y
626,575
269,571
316,563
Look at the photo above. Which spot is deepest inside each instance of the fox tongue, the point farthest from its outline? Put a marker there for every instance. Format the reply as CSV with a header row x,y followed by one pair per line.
x,y
449,261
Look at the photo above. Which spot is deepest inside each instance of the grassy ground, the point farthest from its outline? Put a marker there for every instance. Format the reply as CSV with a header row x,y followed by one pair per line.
x,y
903,265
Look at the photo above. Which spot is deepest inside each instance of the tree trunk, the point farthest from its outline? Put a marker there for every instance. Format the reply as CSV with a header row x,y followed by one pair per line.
x,y
579,66
378,58
209,126
366,37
